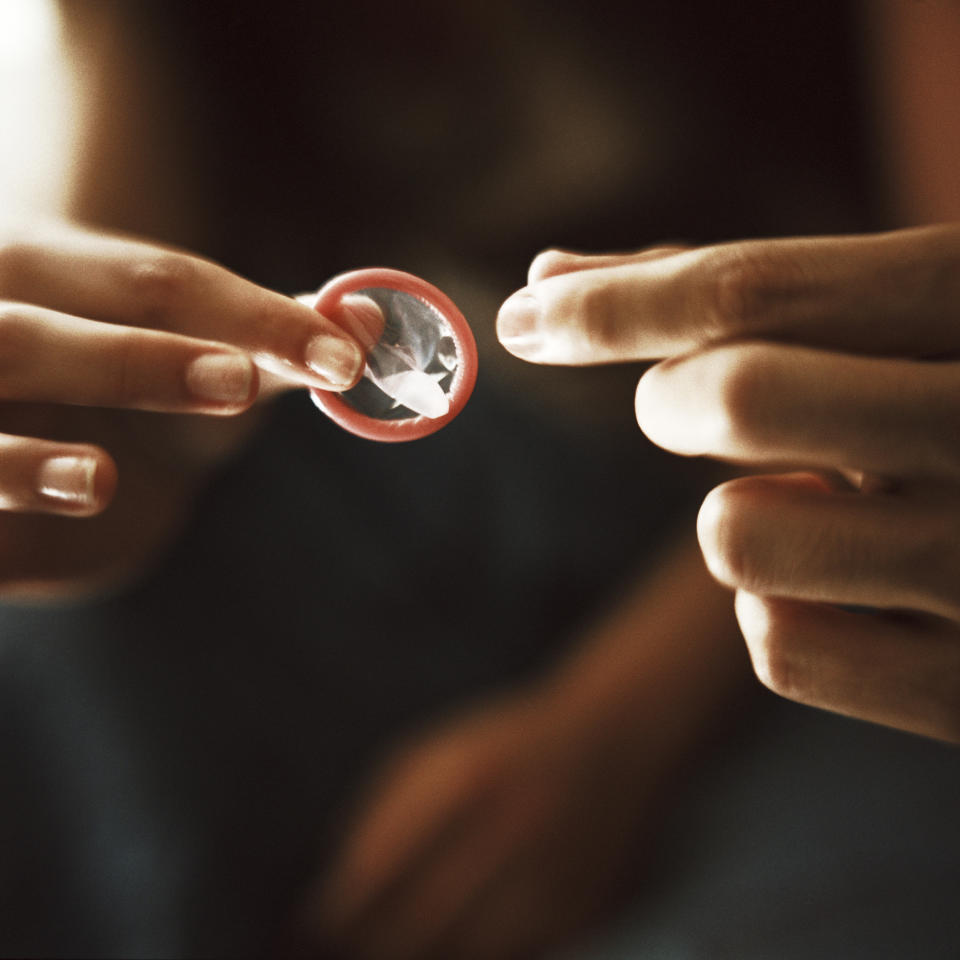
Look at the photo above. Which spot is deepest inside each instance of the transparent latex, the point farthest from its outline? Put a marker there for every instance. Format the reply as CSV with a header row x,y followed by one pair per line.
x,y
410,372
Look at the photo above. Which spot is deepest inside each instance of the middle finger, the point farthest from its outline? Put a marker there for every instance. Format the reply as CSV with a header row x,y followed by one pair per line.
x,y
766,403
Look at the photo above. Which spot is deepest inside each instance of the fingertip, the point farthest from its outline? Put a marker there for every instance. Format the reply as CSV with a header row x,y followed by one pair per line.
x,y
361,317
336,358
711,535
663,411
645,402
105,480
517,325
302,347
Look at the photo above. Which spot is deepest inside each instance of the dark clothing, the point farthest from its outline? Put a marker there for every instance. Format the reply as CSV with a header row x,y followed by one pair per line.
x,y
175,758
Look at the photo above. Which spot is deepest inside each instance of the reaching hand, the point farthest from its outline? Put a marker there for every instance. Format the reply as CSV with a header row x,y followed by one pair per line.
x,y
90,321
836,354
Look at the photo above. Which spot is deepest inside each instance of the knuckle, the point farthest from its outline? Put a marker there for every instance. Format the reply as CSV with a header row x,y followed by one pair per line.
x,y
739,292
274,329
161,282
600,322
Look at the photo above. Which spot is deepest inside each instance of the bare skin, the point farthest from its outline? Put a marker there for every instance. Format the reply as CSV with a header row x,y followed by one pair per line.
x,y
506,830
95,321
802,352
574,766
102,331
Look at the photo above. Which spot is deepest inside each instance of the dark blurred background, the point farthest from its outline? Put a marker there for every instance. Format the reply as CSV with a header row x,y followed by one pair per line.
x,y
184,752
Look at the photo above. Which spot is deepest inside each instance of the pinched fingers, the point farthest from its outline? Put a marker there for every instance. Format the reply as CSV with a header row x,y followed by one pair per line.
x,y
895,293
763,403
56,358
127,282
357,314
40,476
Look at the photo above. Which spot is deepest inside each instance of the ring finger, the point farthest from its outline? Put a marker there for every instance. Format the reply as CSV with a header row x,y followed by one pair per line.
x,y
903,672
791,536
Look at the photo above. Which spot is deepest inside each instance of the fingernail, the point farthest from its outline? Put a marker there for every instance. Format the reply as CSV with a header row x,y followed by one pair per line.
x,y
362,317
69,479
336,359
220,378
517,323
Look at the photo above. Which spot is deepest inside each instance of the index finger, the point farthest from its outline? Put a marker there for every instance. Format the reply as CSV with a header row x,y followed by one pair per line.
x,y
129,282
894,293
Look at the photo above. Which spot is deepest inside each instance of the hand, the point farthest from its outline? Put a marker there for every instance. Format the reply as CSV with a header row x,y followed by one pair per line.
x,y
835,354
497,836
90,321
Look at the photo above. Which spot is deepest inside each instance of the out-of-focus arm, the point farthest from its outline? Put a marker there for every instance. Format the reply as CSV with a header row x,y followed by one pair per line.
x,y
39,112
669,657
91,123
915,58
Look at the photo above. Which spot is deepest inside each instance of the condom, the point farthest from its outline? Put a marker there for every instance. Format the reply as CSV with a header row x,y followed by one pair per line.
x,y
419,373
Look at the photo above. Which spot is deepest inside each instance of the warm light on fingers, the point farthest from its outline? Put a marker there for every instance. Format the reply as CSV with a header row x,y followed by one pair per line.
x,y
553,262
609,313
675,413
792,536
69,481
754,618
897,671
